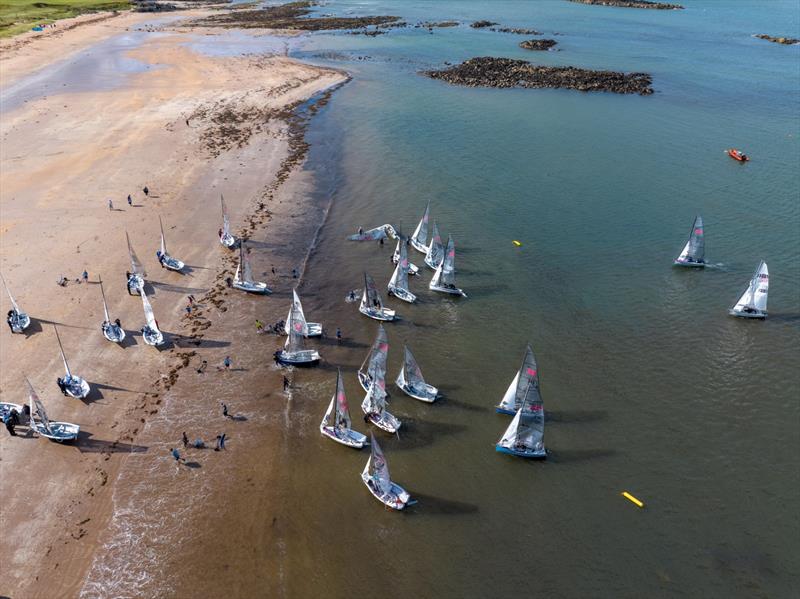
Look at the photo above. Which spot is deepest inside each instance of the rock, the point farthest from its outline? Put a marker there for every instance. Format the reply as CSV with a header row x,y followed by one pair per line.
x,y
487,71
516,30
482,24
432,24
538,44
631,4
787,41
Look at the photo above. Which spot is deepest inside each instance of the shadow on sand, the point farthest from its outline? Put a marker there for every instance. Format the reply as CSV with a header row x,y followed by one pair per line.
x,y
178,288
86,444
430,504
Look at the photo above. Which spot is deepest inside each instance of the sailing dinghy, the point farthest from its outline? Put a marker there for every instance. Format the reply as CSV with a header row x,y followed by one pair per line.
x,y
336,423
225,237
398,284
371,302
137,274
419,240
523,391
524,437
294,351
111,330
374,406
243,279
444,279
7,407
17,319
164,258
375,234
310,329
693,253
55,431
375,360
753,303
74,385
150,331
412,383
399,252
435,252
376,478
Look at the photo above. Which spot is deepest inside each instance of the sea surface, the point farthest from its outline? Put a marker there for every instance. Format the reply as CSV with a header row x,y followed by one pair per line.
x,y
649,386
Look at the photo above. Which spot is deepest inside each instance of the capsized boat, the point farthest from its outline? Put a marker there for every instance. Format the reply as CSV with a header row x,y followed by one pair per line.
x,y
371,302
137,273
401,251
444,279
74,385
336,423
243,279
56,431
164,258
753,303
150,331
375,234
524,437
376,478
398,284
419,240
693,253
412,383
294,351
310,329
16,318
737,155
375,362
435,252
111,330
524,389
374,406
225,237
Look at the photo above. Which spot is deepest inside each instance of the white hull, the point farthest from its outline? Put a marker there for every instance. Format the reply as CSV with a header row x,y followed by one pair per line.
x,y
350,438
6,407
21,322
523,452
418,246
402,294
757,314
255,287
135,284
59,431
304,357
448,290
397,498
314,329
113,333
429,394
430,263
384,314
172,263
385,421
152,338
684,262
77,387
228,240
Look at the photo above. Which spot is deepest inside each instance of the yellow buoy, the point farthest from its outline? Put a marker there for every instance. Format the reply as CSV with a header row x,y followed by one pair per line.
x,y
632,499
516,243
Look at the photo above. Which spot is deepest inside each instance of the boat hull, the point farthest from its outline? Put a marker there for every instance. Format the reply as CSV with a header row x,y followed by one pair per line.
x,y
402,294
307,357
6,407
384,314
113,333
255,287
59,431
753,315
501,410
151,338
77,388
679,262
352,439
430,391
385,422
135,284
397,498
172,264
531,454
448,290
423,249
430,264
20,323
228,241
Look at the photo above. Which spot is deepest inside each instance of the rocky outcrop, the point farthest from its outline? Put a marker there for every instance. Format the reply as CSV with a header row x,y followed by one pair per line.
x,y
631,4
488,71
482,24
437,24
538,44
516,30
788,41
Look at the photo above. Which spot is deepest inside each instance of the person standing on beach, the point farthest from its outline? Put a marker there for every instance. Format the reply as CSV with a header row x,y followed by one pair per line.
x,y
220,442
130,200
85,276
224,410
110,205
285,384
185,440
146,191
227,362
203,366
338,335
259,326
176,454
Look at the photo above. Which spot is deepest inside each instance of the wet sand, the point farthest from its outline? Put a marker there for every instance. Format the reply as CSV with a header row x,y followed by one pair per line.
x,y
67,509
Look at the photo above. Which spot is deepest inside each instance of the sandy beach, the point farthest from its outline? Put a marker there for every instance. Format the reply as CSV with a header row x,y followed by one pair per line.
x,y
189,127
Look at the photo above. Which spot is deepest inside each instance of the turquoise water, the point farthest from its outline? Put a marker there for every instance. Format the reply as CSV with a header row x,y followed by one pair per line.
x,y
648,385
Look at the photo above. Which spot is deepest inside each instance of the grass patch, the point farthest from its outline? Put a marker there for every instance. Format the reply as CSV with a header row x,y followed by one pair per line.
x,y
17,16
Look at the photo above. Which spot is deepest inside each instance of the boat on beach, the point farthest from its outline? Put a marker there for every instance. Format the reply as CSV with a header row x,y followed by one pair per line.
x,y
225,237
375,234
336,424
375,360
401,250
6,407
419,240
376,477
444,279
294,351
523,391
72,385
163,256
137,273
111,330
16,318
435,253
411,381
243,279
753,302
44,427
310,329
150,331
398,284
693,253
524,437
372,304
374,406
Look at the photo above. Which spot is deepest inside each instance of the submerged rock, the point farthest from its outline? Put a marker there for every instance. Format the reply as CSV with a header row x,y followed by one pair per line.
x,y
488,71
482,24
516,30
788,41
432,24
631,4
538,44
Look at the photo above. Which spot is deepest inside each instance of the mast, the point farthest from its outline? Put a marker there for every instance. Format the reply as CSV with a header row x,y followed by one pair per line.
x,y
37,407
163,239
61,348
105,305
11,297
225,223
136,265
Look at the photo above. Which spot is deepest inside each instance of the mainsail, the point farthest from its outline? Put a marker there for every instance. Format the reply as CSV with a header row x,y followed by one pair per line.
x,y
163,239
524,389
695,247
341,413
524,431
11,297
244,260
371,298
136,264
755,296
400,276
375,401
446,273
435,250
413,374
378,469
37,408
376,359
226,223
295,340
63,357
148,313
297,307
420,235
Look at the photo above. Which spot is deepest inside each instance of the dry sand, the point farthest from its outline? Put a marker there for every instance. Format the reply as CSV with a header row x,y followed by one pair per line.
x,y
62,157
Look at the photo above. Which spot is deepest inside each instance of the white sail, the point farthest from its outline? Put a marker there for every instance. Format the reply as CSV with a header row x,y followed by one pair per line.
x,y
295,340
754,298
247,269
524,389
420,236
375,361
445,275
226,223
10,297
378,469
136,264
300,316
695,249
148,313
341,418
412,372
509,437
370,297
37,409
375,400
436,249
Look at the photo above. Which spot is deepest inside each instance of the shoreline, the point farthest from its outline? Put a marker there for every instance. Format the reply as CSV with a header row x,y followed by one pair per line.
x,y
117,418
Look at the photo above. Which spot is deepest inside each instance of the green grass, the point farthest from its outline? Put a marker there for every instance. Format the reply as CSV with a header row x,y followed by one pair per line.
x,y
17,16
